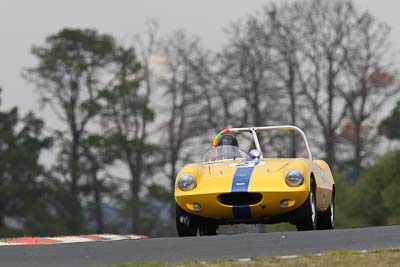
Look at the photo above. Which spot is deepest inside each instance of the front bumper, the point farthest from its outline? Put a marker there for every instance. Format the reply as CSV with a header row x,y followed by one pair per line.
x,y
272,204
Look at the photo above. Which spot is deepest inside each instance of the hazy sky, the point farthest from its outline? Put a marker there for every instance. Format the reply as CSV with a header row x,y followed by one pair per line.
x,y
23,23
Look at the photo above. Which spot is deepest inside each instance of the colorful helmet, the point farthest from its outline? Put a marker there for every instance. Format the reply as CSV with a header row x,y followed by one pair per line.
x,y
228,139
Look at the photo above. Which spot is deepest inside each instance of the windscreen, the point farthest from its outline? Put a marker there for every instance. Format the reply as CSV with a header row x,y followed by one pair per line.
x,y
224,152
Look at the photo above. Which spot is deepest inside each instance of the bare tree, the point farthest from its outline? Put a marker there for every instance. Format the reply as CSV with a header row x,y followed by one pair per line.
x,y
327,26
371,81
213,90
247,65
182,109
146,51
284,41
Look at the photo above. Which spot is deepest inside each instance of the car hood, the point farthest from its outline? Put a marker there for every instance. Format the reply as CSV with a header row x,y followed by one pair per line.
x,y
228,168
221,175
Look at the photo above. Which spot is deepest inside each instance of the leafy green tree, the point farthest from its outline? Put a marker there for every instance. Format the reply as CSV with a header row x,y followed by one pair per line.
x,y
376,200
24,194
73,67
124,120
98,182
345,210
154,215
390,125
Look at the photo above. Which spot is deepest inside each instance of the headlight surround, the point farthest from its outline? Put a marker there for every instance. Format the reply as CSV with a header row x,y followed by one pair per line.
x,y
186,182
294,177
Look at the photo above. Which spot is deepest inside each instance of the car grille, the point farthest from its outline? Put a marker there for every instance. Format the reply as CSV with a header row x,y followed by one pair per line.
x,y
240,199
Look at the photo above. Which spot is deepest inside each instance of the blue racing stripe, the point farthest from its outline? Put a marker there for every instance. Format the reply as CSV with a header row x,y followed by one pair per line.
x,y
241,212
240,183
241,179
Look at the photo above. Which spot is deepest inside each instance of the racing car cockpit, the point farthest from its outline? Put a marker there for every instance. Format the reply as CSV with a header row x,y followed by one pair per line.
x,y
224,152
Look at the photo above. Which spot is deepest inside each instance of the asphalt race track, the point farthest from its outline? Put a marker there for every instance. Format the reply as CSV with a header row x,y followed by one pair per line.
x,y
201,248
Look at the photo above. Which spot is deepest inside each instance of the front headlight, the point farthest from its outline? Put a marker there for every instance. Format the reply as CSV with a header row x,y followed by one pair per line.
x,y
186,182
294,177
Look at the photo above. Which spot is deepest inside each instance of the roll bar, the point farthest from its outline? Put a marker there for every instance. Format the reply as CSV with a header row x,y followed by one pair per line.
x,y
254,130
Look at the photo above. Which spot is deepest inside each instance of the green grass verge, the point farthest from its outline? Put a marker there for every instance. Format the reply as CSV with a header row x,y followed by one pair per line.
x,y
332,258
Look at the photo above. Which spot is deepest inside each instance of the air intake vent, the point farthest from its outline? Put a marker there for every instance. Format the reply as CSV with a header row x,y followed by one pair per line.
x,y
240,199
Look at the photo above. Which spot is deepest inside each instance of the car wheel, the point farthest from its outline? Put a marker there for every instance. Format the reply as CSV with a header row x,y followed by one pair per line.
x,y
208,228
306,215
186,223
326,219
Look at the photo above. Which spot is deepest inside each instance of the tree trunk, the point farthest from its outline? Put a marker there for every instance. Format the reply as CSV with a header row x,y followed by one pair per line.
x,y
292,95
358,144
330,147
74,161
97,202
138,177
1,216
135,210
330,131
172,177
135,189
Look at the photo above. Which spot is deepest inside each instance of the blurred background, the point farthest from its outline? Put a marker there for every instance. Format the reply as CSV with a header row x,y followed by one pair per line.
x,y
103,102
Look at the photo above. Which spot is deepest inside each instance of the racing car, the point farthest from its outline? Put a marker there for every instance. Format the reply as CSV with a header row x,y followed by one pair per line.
x,y
231,186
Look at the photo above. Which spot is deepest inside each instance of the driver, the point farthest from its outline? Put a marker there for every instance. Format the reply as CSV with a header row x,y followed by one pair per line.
x,y
228,147
229,140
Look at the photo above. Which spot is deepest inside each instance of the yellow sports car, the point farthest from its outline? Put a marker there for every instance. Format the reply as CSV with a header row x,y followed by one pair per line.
x,y
231,186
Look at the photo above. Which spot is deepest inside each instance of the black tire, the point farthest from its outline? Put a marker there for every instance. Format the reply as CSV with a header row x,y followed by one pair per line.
x,y
186,223
326,219
208,228
306,215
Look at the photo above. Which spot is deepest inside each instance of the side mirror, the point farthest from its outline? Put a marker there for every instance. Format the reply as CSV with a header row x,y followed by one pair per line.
x,y
255,154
